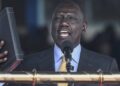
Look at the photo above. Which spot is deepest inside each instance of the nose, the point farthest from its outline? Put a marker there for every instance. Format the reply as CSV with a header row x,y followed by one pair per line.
x,y
64,23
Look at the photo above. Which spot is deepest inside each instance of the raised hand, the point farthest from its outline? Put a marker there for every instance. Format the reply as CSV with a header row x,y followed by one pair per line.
x,y
3,54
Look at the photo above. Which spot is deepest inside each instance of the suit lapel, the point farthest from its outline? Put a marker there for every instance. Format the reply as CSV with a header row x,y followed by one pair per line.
x,y
81,61
85,64
49,64
51,61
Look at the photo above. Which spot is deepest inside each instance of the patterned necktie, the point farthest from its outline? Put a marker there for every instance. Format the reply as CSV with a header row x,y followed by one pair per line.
x,y
62,68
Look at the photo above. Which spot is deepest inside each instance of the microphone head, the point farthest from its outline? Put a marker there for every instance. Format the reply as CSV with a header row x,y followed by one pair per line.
x,y
67,46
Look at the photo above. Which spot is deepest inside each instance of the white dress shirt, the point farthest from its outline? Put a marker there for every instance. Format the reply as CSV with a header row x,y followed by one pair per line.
x,y
1,84
75,57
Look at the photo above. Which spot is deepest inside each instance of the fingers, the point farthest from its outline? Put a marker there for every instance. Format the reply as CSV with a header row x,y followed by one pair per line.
x,y
3,55
3,60
1,44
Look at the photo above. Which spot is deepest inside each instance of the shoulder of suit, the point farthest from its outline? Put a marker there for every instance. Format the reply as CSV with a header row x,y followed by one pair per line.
x,y
98,61
36,58
41,54
97,56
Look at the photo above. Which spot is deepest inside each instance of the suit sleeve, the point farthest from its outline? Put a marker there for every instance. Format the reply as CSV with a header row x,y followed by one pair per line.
x,y
113,67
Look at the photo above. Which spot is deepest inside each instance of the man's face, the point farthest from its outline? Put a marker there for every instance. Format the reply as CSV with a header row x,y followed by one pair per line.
x,y
67,25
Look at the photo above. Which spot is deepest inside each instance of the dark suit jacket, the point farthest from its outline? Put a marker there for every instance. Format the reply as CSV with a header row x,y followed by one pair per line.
x,y
89,62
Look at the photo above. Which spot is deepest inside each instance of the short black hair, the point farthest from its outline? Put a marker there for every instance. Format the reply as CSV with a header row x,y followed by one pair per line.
x,y
79,3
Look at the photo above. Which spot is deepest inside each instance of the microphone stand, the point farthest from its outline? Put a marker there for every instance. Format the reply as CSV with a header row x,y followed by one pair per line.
x,y
68,58
67,50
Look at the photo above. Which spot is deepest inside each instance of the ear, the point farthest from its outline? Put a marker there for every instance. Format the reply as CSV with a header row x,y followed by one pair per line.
x,y
84,26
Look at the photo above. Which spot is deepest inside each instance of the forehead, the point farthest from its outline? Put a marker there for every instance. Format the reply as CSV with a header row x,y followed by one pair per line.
x,y
68,8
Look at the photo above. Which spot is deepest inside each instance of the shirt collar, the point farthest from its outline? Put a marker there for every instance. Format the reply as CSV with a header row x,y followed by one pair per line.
x,y
57,53
75,54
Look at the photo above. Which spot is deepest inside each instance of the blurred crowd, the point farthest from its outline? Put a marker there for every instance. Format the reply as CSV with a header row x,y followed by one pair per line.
x,y
106,43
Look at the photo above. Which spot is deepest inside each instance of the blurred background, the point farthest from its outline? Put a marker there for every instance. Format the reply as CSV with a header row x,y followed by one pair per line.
x,y
33,20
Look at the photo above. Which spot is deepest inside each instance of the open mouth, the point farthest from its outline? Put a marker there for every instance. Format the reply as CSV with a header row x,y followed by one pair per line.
x,y
64,33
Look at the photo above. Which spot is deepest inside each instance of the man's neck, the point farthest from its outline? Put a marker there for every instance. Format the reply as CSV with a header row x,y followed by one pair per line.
x,y
75,56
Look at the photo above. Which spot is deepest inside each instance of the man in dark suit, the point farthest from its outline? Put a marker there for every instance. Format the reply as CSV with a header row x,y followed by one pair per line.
x,y
68,23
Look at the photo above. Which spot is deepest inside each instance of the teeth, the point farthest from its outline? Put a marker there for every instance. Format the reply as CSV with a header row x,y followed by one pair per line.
x,y
63,31
64,35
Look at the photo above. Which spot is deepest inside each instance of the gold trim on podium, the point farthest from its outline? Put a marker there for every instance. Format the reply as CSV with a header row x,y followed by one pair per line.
x,y
61,77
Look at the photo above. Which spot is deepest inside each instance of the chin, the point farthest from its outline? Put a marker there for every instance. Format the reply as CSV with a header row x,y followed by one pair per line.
x,y
61,42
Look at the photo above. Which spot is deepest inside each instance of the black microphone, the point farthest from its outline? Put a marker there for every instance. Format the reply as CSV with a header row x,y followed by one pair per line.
x,y
67,49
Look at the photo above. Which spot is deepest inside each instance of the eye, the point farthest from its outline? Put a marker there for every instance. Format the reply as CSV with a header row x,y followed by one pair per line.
x,y
72,18
57,18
